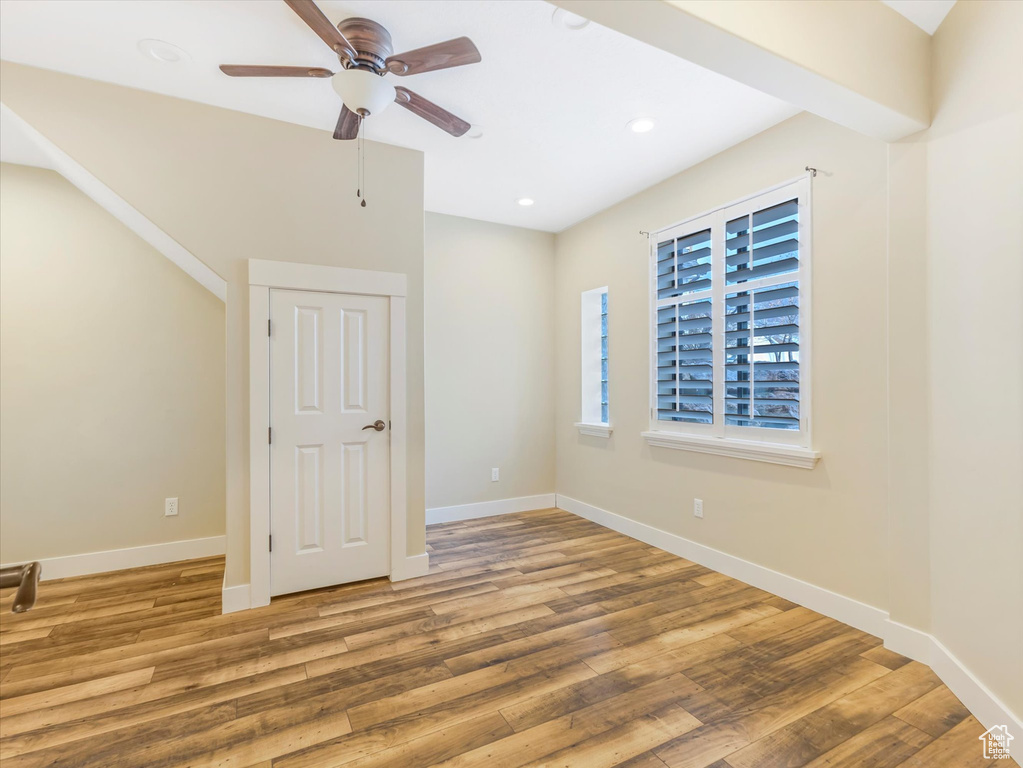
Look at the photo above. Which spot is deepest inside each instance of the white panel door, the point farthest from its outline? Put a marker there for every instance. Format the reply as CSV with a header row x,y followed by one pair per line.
x,y
329,486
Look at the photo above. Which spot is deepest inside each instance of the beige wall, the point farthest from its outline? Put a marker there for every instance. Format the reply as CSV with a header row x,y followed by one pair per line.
x,y
111,381
975,282
909,595
828,525
489,361
229,187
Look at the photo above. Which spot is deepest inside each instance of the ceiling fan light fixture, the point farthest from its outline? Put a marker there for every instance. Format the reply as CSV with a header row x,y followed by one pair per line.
x,y
364,92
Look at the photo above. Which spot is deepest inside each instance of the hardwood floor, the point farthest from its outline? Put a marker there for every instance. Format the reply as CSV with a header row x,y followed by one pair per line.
x,y
536,639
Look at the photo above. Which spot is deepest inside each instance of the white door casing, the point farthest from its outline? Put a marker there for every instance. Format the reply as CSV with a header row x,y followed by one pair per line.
x,y
329,489
263,277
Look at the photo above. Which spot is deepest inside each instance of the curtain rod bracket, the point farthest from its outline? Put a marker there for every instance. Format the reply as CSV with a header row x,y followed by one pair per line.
x,y
811,171
644,233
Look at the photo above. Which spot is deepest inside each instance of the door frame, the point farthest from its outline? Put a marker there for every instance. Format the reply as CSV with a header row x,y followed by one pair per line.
x,y
265,276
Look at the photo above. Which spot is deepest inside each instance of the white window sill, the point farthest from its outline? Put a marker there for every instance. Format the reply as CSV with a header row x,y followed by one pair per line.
x,y
773,453
594,430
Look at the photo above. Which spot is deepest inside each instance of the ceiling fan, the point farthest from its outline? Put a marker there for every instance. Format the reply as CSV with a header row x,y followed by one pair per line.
x,y
364,49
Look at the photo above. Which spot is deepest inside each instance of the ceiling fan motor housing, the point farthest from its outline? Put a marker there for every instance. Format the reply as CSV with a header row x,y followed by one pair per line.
x,y
372,43
360,84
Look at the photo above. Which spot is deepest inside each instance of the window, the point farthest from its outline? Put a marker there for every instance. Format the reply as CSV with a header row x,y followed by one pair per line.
x,y
603,357
594,417
730,335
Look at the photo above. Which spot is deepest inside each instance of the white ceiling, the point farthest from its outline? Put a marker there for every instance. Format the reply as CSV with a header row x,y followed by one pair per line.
x,y
552,103
926,14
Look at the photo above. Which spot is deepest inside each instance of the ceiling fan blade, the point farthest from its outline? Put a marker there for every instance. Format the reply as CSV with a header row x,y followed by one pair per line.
x,y
320,24
257,70
347,124
452,53
427,110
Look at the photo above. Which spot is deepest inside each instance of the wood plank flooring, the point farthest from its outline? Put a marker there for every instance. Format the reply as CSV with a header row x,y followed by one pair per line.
x,y
537,639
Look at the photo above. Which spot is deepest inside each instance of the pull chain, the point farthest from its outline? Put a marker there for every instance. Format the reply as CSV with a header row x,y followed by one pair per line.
x,y
362,163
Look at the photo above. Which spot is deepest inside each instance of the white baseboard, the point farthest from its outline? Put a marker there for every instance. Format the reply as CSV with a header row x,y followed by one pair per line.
x,y
132,557
975,696
236,598
910,642
411,567
489,508
845,609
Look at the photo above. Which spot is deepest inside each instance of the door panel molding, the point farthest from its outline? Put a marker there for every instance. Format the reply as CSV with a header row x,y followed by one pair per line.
x,y
266,275
329,476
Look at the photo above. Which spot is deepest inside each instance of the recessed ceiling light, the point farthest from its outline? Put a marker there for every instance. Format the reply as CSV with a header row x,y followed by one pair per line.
x,y
568,20
161,51
641,125
474,132
525,202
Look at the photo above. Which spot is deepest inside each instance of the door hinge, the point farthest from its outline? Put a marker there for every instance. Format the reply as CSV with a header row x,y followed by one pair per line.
x,y
269,435
271,542
268,326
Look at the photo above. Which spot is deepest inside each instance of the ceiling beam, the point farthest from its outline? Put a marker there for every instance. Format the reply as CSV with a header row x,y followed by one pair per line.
x,y
854,62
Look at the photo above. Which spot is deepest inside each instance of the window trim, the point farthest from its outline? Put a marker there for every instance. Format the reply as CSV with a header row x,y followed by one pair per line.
x,y
594,430
756,443
773,453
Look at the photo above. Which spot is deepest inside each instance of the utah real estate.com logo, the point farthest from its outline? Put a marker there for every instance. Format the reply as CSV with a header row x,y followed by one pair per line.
x,y
996,742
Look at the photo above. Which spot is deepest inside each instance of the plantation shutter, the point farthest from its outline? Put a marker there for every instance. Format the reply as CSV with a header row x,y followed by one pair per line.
x,y
684,333
762,326
728,319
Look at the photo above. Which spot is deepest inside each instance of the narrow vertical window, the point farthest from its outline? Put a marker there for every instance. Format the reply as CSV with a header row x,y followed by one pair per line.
x,y
595,419
603,357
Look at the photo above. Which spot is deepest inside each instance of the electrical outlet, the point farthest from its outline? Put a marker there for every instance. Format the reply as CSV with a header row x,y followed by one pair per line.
x,y
170,507
698,508
495,475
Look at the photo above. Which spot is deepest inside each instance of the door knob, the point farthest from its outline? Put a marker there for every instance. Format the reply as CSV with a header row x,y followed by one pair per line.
x,y
378,425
